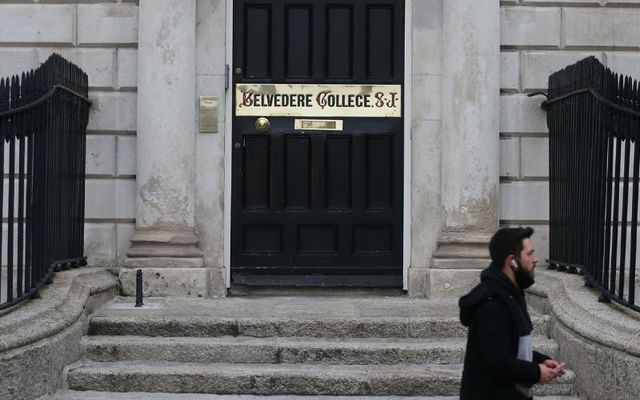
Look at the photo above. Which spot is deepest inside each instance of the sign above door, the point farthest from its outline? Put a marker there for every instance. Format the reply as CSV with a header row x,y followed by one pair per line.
x,y
308,100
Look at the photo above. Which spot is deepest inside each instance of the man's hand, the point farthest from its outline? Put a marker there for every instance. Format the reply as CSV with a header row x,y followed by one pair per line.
x,y
547,374
555,365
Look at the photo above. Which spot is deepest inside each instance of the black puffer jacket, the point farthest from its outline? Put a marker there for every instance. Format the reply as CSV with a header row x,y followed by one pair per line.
x,y
496,313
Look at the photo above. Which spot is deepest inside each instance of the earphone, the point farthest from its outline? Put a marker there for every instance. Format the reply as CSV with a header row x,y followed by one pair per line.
x,y
515,265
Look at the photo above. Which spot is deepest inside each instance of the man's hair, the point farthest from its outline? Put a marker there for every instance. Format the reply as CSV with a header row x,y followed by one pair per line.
x,y
507,241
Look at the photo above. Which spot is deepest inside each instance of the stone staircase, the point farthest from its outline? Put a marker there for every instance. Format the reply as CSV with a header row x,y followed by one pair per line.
x,y
282,347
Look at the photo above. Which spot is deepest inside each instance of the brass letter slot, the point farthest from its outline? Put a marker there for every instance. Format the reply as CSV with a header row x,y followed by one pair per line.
x,y
318,124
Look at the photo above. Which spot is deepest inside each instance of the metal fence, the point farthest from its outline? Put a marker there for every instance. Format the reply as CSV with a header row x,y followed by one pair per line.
x,y
593,116
43,119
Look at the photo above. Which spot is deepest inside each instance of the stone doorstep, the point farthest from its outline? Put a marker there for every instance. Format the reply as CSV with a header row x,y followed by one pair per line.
x,y
268,316
273,379
347,351
92,395
141,323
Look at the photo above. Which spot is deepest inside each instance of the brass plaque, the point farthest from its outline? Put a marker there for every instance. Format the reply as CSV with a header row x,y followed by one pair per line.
x,y
318,124
305,100
208,114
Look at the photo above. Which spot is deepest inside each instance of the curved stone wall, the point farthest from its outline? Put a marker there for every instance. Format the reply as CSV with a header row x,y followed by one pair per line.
x,y
600,342
39,337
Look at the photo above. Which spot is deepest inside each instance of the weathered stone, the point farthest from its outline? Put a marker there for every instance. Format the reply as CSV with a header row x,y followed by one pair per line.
x,y
452,283
15,383
443,263
210,186
470,149
110,198
164,262
418,281
166,114
596,340
196,327
427,97
41,336
538,65
50,23
190,282
100,243
210,37
91,395
124,232
166,80
526,200
127,68
510,157
126,155
600,27
588,361
118,23
97,63
291,350
426,212
16,60
510,70
101,155
165,237
535,157
530,26
274,379
174,250
462,250
65,350
522,114
427,37
112,112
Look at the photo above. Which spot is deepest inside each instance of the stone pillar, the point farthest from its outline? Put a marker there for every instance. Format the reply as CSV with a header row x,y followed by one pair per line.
x,y
470,143
165,242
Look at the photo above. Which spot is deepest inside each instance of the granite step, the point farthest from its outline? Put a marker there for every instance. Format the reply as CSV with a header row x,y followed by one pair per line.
x,y
92,395
286,317
280,379
290,350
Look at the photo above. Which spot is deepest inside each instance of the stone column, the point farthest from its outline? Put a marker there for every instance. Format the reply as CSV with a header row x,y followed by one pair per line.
x,y
165,242
470,143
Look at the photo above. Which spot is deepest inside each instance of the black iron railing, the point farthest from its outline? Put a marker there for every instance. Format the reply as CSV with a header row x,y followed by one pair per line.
x,y
593,116
43,120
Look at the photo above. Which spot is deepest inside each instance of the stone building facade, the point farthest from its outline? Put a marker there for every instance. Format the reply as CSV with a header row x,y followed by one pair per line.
x,y
475,149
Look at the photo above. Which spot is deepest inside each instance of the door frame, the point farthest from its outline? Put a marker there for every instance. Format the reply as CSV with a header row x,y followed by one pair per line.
x,y
407,103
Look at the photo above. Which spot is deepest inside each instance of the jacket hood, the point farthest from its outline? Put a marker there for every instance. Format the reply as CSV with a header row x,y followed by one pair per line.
x,y
493,283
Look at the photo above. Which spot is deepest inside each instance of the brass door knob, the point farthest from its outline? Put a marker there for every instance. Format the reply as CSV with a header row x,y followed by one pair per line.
x,y
262,124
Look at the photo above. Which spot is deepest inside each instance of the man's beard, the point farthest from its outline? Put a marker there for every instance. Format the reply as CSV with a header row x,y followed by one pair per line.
x,y
524,279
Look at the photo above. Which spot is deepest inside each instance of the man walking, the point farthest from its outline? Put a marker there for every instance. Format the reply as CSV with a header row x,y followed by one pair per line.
x,y
499,363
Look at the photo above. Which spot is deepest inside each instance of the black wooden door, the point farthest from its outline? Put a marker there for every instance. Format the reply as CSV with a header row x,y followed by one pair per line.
x,y
314,207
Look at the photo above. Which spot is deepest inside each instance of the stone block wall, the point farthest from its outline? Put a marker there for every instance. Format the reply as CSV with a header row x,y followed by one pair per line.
x,y
100,37
537,38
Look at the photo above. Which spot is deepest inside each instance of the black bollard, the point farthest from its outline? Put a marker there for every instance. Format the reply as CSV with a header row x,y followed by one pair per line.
x,y
139,302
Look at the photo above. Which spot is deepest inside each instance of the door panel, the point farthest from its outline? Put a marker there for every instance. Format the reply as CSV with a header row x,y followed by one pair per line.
x,y
299,44
318,205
